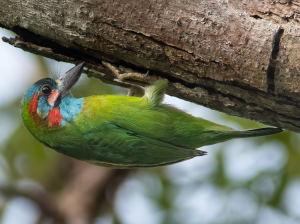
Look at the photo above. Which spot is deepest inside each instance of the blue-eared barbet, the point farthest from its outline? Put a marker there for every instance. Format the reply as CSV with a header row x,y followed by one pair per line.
x,y
119,131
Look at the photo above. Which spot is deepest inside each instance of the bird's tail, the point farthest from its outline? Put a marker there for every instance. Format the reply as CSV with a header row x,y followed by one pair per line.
x,y
255,132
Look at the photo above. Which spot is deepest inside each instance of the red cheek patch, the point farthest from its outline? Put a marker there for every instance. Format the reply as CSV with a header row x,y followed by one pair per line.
x,y
54,117
33,104
52,98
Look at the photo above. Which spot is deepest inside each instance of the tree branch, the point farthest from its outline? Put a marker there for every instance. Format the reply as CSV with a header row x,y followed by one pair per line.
x,y
238,57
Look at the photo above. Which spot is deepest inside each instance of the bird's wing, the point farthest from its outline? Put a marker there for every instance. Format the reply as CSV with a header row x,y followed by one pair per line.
x,y
111,145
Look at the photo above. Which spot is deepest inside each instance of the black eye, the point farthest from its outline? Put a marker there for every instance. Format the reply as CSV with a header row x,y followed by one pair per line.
x,y
46,89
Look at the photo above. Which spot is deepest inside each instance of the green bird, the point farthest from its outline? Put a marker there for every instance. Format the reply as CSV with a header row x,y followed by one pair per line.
x,y
119,131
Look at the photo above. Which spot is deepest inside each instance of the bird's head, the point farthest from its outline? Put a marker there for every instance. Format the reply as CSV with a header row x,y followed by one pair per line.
x,y
49,102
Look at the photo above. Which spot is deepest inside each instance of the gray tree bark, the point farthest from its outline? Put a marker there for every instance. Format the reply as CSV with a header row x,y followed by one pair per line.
x,y
238,57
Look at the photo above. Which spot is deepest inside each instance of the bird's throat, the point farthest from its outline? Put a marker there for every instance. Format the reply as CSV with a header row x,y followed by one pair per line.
x,y
47,116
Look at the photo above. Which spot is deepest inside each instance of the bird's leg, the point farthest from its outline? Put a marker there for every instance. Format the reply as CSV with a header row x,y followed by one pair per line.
x,y
125,74
134,90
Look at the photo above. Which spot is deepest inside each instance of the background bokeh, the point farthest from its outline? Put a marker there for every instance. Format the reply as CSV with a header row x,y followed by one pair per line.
x,y
252,180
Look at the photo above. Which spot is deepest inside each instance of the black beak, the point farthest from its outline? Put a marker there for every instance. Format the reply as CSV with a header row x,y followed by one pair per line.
x,y
68,80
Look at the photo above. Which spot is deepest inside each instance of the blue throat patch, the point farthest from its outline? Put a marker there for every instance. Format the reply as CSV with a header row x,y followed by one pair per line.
x,y
69,107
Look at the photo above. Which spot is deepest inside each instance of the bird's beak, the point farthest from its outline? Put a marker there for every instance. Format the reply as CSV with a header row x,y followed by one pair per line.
x,y
68,80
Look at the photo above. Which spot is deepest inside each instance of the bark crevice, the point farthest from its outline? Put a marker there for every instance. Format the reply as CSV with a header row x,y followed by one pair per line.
x,y
273,61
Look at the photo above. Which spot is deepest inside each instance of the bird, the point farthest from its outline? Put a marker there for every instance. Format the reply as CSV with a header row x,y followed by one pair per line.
x,y
119,131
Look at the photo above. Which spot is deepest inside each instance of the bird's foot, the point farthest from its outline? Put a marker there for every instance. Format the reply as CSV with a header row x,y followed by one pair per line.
x,y
128,75
134,78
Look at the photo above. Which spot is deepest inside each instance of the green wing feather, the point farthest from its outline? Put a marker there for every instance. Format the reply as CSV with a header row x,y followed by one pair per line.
x,y
114,146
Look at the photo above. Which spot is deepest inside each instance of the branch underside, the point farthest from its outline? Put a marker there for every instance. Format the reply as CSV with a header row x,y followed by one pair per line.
x,y
251,72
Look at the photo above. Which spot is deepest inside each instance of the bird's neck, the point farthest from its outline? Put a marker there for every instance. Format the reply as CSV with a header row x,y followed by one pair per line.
x,y
68,109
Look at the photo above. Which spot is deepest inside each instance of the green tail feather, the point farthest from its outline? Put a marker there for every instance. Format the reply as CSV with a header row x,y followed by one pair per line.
x,y
155,93
255,132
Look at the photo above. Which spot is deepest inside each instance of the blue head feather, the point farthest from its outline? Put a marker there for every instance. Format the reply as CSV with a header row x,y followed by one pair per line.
x,y
35,88
29,94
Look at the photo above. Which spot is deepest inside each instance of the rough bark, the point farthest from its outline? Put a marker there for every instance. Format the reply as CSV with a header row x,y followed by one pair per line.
x,y
238,57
